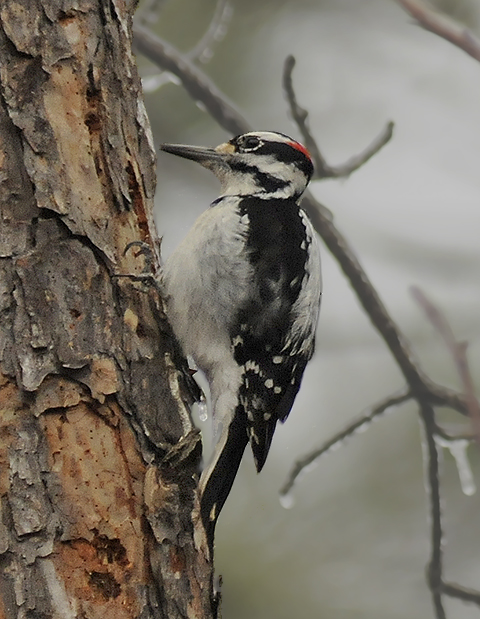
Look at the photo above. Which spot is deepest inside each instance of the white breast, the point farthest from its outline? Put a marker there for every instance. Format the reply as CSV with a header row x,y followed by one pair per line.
x,y
206,279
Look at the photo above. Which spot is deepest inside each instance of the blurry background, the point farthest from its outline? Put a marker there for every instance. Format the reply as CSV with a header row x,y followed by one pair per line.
x,y
355,543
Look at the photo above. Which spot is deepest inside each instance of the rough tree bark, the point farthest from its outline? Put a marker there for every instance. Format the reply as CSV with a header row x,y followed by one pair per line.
x,y
99,457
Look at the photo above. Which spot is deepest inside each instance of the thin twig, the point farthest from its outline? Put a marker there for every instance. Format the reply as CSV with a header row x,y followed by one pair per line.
x,y
216,32
440,395
443,27
434,571
361,421
195,82
458,351
217,29
300,116
357,161
462,593
149,11
447,437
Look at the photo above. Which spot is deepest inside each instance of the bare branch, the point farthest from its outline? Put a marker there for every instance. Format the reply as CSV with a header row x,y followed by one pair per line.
x,y
356,162
461,593
432,480
443,396
195,82
443,27
215,32
357,424
149,11
447,437
458,351
435,568
300,116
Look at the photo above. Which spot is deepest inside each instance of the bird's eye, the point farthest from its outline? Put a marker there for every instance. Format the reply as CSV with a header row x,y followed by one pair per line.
x,y
251,143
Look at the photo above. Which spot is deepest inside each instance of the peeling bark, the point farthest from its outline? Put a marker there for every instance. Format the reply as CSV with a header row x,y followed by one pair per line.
x,y
98,454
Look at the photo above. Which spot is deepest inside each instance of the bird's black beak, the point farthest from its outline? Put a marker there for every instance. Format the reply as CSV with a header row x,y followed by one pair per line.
x,y
208,157
217,160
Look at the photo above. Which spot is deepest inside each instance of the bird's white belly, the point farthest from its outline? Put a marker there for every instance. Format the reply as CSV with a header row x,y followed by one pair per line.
x,y
207,278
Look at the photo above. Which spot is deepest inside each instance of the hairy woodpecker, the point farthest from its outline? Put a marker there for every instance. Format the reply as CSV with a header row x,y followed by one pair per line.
x,y
243,294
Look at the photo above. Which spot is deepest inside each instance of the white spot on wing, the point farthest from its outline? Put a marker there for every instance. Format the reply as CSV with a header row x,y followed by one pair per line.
x,y
254,367
253,436
213,512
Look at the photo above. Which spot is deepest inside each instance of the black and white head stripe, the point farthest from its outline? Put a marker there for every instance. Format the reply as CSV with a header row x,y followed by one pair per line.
x,y
285,149
262,163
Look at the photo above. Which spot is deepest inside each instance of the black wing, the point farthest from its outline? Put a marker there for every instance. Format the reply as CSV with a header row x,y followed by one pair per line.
x,y
264,342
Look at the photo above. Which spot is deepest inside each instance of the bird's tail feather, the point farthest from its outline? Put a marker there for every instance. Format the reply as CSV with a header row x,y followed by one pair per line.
x,y
218,476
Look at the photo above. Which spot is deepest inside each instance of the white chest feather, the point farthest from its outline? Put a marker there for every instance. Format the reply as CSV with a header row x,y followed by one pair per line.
x,y
206,279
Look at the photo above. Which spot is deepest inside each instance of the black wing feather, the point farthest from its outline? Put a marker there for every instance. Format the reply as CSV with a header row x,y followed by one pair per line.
x,y
273,369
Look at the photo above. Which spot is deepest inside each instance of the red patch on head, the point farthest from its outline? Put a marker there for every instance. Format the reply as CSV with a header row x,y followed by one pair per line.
x,y
301,148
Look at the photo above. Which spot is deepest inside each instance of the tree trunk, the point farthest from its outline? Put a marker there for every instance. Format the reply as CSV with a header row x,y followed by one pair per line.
x,y
99,457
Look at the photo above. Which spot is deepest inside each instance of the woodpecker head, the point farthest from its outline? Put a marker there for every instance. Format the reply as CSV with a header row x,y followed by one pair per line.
x,y
256,163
